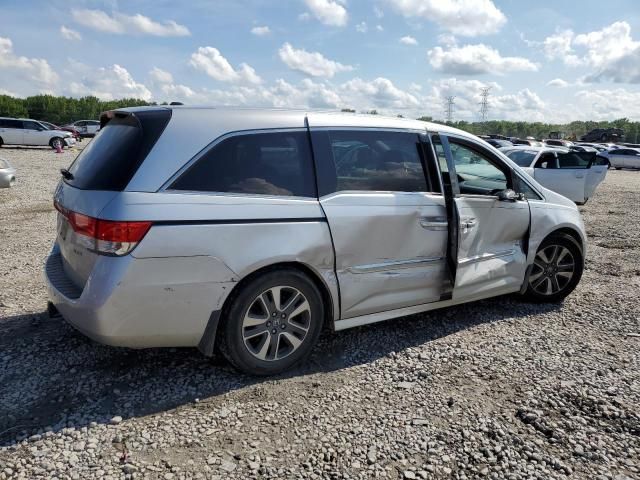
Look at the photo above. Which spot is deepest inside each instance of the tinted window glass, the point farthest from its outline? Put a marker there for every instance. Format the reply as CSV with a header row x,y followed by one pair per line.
x,y
31,126
261,163
522,158
377,161
575,159
10,123
110,160
476,173
547,160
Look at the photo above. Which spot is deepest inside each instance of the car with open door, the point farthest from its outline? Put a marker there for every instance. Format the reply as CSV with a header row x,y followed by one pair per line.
x,y
246,232
576,175
620,158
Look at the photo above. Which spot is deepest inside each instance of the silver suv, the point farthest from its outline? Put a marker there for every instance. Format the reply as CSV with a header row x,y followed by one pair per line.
x,y
247,231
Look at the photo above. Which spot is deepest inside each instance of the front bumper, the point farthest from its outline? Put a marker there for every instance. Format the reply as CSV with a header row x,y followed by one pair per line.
x,y
69,141
137,303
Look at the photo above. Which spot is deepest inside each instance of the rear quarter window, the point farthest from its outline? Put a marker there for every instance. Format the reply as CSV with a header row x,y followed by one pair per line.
x,y
274,163
117,151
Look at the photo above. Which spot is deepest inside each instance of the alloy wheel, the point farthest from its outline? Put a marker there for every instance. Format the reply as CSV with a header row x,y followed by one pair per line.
x,y
276,323
553,269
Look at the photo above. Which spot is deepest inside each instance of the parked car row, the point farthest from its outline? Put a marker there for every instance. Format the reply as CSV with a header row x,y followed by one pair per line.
x,y
24,131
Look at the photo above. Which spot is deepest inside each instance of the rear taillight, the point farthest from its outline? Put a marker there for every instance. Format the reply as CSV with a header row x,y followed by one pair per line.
x,y
107,237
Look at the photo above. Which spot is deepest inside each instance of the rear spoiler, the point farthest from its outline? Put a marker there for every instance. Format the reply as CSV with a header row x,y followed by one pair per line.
x,y
106,117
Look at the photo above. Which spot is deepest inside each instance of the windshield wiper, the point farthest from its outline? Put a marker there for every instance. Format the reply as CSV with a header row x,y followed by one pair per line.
x,y
66,174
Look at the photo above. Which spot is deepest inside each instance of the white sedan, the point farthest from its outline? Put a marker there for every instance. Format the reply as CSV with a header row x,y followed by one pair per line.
x,y
572,174
623,157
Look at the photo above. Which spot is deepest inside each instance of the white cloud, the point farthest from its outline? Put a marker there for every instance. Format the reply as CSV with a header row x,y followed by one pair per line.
x,y
329,12
378,93
69,34
311,63
606,104
32,75
558,82
362,27
461,17
476,59
261,31
408,40
120,23
611,52
106,83
160,76
379,28
214,64
558,45
377,11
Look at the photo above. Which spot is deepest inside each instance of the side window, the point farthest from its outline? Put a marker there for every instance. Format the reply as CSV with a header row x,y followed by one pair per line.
x,y
547,160
377,161
16,124
574,159
276,163
31,126
477,175
520,186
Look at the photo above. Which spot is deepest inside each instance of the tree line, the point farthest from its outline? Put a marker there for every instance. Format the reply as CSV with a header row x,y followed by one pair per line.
x,y
62,110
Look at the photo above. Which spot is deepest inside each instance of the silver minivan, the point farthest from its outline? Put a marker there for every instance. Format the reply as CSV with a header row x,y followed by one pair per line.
x,y
246,231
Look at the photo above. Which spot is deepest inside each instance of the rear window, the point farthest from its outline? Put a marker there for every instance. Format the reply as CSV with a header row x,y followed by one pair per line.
x,y
522,158
117,151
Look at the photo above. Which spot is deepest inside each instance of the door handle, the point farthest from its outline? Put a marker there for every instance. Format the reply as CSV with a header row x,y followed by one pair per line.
x,y
434,223
468,223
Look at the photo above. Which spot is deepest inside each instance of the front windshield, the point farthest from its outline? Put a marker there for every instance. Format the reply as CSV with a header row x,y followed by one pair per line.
x,y
523,158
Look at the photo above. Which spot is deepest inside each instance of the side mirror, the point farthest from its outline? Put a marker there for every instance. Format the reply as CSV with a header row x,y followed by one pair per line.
x,y
507,195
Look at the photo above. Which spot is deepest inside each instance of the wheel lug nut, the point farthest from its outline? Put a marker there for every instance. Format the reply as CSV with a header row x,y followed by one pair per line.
x,y
268,324
283,326
273,314
283,316
274,331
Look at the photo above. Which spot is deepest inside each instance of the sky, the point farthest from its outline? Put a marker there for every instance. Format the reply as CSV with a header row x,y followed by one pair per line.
x,y
544,60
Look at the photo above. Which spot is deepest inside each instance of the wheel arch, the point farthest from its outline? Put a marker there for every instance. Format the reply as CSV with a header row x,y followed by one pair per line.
x,y
209,340
571,232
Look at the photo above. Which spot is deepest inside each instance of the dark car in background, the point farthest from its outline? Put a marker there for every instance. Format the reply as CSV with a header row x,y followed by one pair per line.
x,y
603,135
73,131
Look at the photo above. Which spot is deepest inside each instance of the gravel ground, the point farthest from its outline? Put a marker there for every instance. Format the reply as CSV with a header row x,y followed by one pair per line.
x,y
495,389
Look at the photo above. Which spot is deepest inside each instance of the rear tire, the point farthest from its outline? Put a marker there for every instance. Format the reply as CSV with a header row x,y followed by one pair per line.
x,y
1,142
273,323
557,269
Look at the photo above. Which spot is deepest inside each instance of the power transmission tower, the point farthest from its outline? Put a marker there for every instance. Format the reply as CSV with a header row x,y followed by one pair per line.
x,y
449,106
484,104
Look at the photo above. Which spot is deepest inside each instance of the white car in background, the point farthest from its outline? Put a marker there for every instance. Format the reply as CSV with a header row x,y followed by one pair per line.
x,y
86,128
24,131
623,157
572,174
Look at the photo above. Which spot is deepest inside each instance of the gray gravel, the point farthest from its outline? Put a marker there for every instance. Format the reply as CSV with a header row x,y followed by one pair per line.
x,y
496,389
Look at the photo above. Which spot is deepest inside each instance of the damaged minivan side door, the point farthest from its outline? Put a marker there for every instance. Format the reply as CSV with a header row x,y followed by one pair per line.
x,y
490,220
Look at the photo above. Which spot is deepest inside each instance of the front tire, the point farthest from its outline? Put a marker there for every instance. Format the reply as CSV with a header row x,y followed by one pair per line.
x,y
55,142
556,271
273,323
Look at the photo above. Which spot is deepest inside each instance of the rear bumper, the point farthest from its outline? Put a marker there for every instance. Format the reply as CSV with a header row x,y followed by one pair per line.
x,y
140,303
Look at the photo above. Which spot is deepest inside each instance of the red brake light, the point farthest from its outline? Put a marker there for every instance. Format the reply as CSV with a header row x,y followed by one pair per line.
x,y
110,237
121,231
